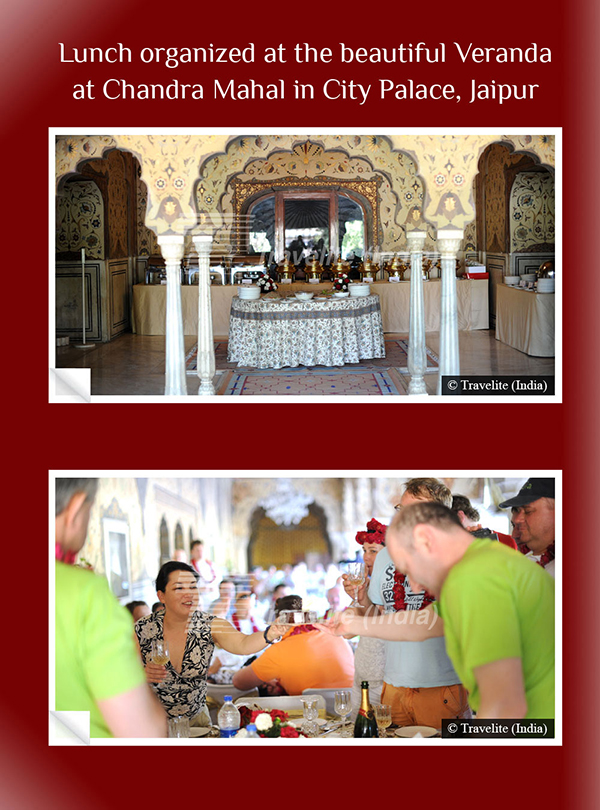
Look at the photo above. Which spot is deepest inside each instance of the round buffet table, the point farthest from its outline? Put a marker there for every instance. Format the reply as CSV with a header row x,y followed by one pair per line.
x,y
284,332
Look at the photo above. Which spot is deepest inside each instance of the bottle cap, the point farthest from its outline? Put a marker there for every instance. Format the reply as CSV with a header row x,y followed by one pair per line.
x,y
250,727
226,698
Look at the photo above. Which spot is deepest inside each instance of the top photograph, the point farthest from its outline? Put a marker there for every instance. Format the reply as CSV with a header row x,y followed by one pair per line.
x,y
312,267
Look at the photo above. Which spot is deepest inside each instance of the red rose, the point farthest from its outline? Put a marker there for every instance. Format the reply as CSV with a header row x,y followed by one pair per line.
x,y
289,731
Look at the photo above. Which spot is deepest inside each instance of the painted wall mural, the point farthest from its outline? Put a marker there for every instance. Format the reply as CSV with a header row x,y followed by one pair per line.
x,y
80,219
400,189
171,166
532,212
145,237
496,225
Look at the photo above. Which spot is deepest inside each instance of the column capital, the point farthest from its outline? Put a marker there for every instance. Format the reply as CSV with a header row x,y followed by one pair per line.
x,y
171,246
449,241
203,242
416,240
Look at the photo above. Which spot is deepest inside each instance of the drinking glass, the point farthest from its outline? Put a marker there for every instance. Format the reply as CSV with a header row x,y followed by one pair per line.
x,y
357,574
343,707
179,727
310,713
383,715
159,654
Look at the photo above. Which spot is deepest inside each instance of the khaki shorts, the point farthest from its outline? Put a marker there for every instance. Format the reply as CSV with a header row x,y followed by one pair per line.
x,y
427,706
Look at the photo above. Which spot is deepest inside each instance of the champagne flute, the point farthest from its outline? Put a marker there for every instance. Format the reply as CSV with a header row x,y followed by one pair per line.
x,y
383,715
343,707
357,574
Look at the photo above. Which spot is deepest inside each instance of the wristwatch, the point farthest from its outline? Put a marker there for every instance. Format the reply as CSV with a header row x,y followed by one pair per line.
x,y
266,638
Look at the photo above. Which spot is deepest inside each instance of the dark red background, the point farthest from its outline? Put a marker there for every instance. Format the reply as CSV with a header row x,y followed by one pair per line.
x,y
36,95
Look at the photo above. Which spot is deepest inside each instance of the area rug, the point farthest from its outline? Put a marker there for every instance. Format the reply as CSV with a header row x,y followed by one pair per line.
x,y
396,356
342,382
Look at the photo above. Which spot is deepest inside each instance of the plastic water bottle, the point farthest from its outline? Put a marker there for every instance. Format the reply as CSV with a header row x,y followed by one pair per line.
x,y
251,729
228,718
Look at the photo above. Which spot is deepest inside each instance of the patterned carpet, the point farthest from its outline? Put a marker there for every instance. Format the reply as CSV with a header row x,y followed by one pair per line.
x,y
380,377
396,356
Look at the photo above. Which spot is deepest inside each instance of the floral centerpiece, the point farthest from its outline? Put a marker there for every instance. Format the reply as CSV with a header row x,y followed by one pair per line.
x,y
268,724
266,283
340,282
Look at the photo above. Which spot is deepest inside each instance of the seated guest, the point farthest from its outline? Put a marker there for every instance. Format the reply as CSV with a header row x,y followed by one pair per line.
x,y
496,608
304,659
333,600
469,517
279,591
137,609
191,636
242,618
157,606
223,606
98,669
533,521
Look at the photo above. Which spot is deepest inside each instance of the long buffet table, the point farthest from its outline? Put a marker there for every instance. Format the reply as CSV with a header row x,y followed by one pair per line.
x,y
525,320
150,304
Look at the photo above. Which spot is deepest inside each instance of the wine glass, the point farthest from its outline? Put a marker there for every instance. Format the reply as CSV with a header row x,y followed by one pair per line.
x,y
357,574
310,714
159,654
383,715
343,707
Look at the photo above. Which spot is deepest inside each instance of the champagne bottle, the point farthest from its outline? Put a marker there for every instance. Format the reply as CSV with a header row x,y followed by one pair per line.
x,y
365,724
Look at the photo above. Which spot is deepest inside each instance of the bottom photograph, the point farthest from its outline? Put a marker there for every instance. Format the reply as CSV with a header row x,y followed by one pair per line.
x,y
327,608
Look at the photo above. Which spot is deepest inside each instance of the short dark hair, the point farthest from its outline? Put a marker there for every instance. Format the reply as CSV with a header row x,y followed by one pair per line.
x,y
157,606
431,512
65,488
291,602
167,569
460,503
131,606
429,488
195,543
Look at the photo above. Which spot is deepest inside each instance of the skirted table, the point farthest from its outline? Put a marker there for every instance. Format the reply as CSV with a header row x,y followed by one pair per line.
x,y
279,333
150,305
525,320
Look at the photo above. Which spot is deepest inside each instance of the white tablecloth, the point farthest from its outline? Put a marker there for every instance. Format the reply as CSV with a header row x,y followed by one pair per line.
x,y
150,305
288,333
525,320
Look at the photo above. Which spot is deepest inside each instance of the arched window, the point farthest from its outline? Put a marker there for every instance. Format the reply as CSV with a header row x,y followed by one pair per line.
x,y
165,551
308,221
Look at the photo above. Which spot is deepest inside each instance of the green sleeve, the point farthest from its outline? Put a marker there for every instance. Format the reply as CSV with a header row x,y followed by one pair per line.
x,y
110,660
481,615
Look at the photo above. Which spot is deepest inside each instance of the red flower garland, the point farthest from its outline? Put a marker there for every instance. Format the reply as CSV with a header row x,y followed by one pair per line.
x,y
400,593
546,557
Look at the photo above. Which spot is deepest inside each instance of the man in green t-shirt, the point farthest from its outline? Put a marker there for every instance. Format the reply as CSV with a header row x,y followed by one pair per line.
x,y
497,610
97,666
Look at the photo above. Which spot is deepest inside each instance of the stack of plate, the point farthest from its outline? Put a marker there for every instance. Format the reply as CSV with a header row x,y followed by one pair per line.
x,y
512,281
545,285
358,289
249,292
528,277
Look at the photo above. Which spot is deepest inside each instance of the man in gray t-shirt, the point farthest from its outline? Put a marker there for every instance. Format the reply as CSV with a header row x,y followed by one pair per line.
x,y
420,683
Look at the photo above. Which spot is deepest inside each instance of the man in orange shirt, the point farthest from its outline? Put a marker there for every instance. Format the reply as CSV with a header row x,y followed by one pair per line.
x,y
304,659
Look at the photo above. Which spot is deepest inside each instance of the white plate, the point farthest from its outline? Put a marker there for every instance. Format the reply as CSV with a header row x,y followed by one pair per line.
x,y
341,294
411,731
201,731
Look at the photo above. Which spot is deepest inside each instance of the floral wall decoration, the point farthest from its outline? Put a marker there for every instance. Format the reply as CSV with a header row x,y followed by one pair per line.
x,y
532,212
80,219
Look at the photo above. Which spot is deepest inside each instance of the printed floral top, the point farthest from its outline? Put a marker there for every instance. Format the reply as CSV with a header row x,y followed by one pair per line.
x,y
184,693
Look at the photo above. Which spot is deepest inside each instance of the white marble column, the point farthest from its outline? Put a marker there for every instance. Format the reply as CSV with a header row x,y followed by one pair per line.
x,y
206,345
171,247
448,242
417,356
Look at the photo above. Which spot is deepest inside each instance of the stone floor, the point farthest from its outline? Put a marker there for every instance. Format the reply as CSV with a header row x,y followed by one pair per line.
x,y
134,365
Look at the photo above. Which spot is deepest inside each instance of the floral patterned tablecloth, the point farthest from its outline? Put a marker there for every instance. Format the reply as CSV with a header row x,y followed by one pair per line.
x,y
284,332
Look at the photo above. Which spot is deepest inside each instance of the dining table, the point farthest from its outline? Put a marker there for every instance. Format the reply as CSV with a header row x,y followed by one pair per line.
x,y
283,331
525,320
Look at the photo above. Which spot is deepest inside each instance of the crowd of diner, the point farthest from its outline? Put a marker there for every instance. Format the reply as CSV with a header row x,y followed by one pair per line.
x,y
451,620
